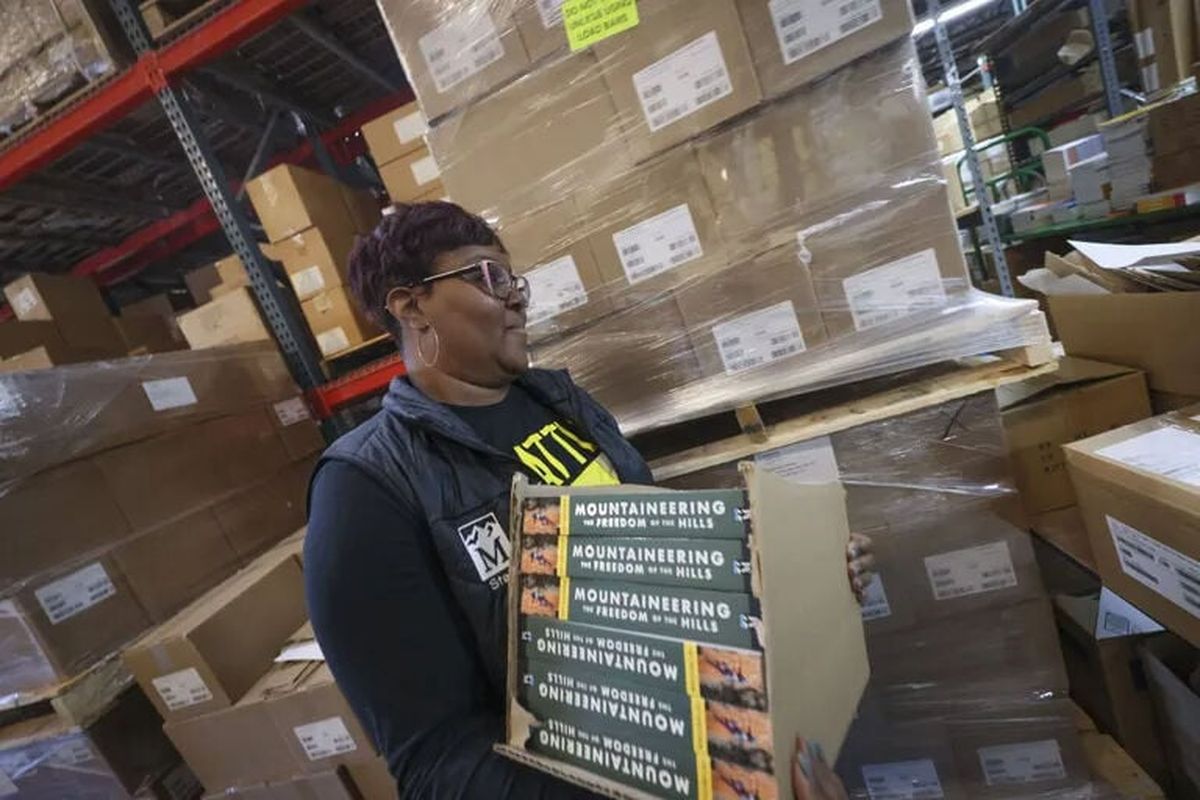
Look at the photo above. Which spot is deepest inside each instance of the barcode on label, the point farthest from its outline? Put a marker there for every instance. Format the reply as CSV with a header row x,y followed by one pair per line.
x,y
456,50
687,80
325,738
758,337
658,244
973,570
804,26
75,593
554,288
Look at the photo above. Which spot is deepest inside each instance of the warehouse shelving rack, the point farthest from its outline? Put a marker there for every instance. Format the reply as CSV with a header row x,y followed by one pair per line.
x,y
96,184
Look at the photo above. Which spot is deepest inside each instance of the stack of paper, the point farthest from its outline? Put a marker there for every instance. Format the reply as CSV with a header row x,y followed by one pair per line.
x,y
1129,172
1174,266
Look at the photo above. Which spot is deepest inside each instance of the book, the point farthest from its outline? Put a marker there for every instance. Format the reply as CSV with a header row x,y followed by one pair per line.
x,y
712,514
718,564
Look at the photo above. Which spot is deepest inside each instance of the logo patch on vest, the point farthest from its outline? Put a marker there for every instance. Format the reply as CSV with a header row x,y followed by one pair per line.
x,y
487,545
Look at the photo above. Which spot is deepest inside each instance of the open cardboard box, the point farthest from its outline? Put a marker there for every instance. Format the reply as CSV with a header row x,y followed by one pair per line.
x,y
811,631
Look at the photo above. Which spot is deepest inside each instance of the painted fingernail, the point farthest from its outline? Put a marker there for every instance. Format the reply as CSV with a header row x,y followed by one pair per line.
x,y
818,752
805,763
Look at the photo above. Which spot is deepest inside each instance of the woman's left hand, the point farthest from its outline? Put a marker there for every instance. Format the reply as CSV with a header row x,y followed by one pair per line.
x,y
860,564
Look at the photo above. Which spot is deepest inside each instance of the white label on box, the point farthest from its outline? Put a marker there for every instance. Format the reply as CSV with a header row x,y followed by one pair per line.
x,y
424,170
460,48
875,603
551,13
758,338
70,753
332,341
1117,617
182,689
658,244
894,290
1171,452
25,301
7,787
554,287
1143,43
974,570
1025,762
328,737
903,780
308,281
1150,79
410,126
169,393
804,462
683,82
805,26
1161,568
75,593
289,412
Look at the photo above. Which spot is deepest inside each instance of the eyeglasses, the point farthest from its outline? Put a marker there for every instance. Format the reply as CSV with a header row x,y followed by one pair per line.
x,y
490,276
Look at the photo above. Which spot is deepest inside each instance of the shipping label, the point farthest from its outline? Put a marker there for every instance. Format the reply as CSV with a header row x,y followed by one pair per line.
x,y
704,514
589,21
410,127
75,593
182,689
975,570
332,341
895,290
805,26
720,618
903,780
804,462
551,13
70,753
325,738
658,244
308,281
684,82
1025,762
648,766
1170,452
758,338
719,564
169,393
554,288
875,603
1162,569
463,46
25,302
290,412
425,170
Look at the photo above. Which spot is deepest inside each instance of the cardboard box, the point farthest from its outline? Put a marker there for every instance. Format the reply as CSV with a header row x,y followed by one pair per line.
x,y
289,199
336,322
917,755
19,340
156,305
395,134
752,315
411,176
1064,529
816,148
230,747
1082,398
373,779
318,258
73,304
66,619
1139,493
684,68
487,164
229,319
1152,332
452,50
171,565
549,246
1164,42
793,44
1169,665
266,512
212,652
300,432
37,358
114,755
541,27
363,208
1175,169
1173,126
654,229
149,334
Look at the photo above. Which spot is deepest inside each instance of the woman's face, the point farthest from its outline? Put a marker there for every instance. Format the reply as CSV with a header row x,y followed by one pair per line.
x,y
480,338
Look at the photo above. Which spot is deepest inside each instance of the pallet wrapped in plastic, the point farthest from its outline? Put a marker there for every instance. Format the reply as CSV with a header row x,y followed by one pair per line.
x,y
48,48
710,207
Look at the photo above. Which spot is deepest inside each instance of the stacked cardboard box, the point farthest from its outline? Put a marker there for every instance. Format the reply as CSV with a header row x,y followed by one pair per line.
x,y
243,706
129,488
711,145
63,315
1164,36
967,696
1130,170
654,635
150,326
1173,129
311,220
396,141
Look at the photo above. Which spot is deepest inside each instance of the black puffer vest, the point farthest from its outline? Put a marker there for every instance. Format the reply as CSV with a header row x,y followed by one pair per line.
x,y
435,462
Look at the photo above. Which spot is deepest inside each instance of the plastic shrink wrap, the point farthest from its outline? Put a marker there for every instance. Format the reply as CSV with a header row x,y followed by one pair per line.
x,y
48,48
128,487
968,691
722,203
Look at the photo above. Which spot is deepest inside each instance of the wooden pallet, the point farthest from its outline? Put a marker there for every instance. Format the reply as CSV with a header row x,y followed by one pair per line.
x,y
77,700
835,410
1109,762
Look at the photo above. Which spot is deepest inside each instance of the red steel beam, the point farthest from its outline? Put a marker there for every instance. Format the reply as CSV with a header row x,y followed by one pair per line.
x,y
116,97
356,385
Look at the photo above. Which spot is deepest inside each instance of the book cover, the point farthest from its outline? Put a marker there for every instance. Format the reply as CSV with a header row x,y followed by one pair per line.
x,y
707,514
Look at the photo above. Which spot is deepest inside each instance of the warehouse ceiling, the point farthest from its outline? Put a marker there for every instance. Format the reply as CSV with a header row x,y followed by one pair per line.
x,y
314,67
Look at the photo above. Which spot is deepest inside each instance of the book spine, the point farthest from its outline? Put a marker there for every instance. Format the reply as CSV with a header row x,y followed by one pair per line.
x,y
712,514
716,564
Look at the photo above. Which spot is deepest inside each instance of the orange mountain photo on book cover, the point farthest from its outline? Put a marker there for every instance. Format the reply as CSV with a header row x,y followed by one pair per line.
x,y
540,515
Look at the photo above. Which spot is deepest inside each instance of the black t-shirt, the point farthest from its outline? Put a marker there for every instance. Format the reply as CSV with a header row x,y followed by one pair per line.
x,y
548,449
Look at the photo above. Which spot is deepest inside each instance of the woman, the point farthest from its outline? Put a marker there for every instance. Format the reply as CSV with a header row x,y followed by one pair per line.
x,y
406,558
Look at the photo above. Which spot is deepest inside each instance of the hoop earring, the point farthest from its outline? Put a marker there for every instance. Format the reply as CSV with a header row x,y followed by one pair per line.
x,y
437,349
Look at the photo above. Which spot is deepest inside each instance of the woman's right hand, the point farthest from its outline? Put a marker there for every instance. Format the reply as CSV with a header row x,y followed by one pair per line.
x,y
812,779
